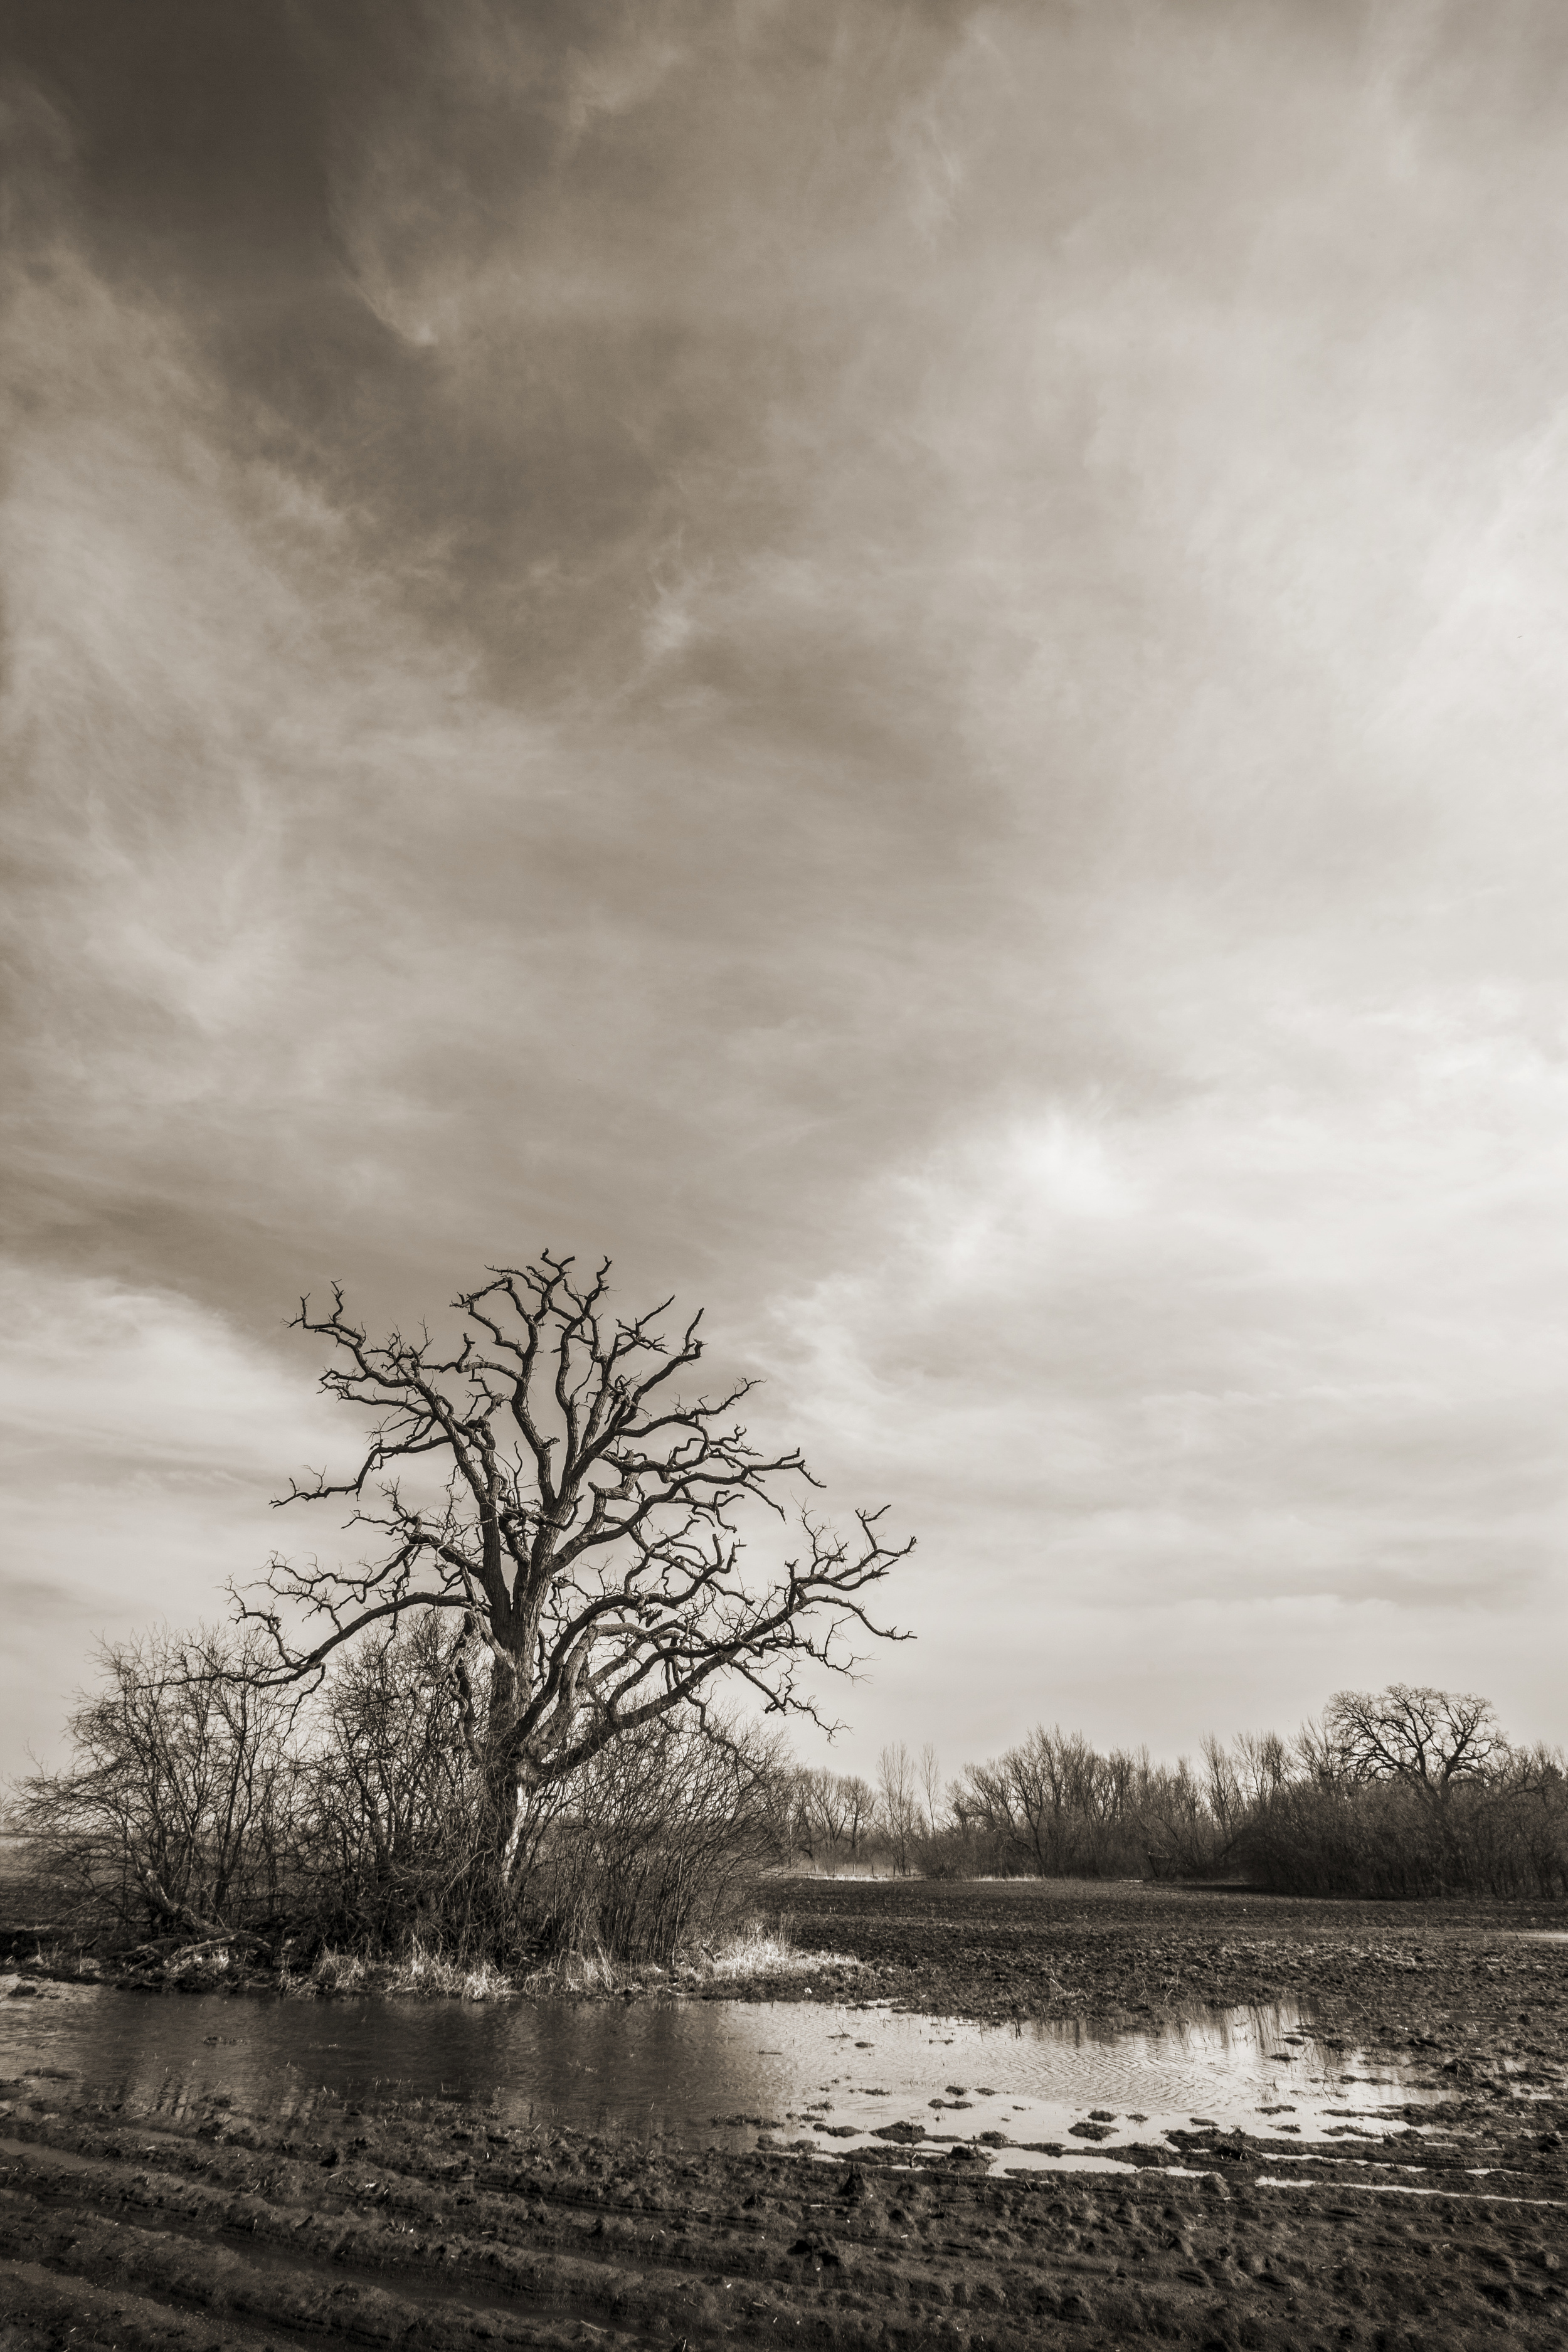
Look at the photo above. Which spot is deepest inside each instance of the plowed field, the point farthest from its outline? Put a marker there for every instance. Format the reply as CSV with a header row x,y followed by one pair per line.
x,y
420,2228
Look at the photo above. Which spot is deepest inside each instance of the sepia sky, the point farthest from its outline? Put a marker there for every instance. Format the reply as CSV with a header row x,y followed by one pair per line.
x,y
903,663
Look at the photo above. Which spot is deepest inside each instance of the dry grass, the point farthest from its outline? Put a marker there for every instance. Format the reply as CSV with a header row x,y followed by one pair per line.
x,y
584,1972
420,1974
430,1975
334,1972
758,1950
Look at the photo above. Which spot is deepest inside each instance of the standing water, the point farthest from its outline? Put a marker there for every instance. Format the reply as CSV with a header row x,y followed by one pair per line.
x,y
720,2072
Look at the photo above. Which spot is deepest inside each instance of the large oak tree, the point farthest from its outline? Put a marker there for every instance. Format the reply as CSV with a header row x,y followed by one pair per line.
x,y
588,1534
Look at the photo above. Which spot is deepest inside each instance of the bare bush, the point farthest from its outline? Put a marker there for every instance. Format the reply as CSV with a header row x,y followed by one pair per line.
x,y
390,1833
661,1843
171,1818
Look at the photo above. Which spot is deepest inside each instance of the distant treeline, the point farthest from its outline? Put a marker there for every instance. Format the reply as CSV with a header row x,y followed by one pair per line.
x,y
203,1803
1400,1792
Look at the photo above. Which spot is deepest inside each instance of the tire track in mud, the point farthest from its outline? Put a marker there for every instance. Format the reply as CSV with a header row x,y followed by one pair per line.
x,y
379,2277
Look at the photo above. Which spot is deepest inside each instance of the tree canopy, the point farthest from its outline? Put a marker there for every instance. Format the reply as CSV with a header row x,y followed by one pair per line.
x,y
588,1534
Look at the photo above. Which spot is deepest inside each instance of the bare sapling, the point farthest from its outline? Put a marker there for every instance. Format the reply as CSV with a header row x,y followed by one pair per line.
x,y
898,1802
930,1772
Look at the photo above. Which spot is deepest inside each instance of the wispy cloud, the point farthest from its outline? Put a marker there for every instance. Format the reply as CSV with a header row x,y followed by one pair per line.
x,y
144,1438
901,664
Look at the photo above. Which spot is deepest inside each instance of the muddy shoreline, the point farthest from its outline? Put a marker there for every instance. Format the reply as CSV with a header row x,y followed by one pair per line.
x,y
427,2226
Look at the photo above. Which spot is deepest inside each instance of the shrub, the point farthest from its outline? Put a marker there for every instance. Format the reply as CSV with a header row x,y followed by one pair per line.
x,y
171,1818
200,1805
660,1844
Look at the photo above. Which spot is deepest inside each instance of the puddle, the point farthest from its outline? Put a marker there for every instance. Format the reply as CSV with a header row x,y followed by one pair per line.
x,y
719,2073
1415,2189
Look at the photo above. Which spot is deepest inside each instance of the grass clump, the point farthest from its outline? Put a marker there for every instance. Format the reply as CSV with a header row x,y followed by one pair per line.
x,y
571,1971
753,1950
334,1971
433,1976
757,1949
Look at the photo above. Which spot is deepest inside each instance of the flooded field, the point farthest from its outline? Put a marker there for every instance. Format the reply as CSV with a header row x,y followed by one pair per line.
x,y
719,2074
1081,2117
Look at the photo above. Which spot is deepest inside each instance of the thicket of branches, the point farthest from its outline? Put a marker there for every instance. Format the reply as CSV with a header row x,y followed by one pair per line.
x,y
203,1803
1400,1792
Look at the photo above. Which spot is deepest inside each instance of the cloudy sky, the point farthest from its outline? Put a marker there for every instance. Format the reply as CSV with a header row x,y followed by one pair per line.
x,y
904,663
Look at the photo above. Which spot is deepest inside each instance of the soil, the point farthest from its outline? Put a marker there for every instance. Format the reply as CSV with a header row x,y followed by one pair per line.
x,y
996,1949
414,2227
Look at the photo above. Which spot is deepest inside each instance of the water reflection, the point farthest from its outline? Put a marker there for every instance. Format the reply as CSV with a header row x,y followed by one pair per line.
x,y
723,2073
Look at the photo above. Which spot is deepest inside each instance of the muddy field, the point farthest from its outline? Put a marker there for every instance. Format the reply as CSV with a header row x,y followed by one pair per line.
x,y
430,2226
1022,1947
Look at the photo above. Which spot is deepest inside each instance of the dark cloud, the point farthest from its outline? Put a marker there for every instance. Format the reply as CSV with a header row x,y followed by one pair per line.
x,y
198,137
623,207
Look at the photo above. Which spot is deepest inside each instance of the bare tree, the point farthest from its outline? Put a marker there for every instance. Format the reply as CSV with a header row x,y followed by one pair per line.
x,y
587,1537
897,1801
1031,1796
860,1810
824,1809
1430,1740
930,1786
